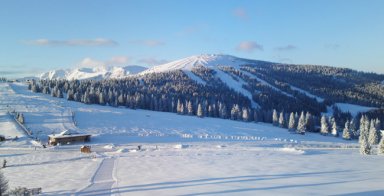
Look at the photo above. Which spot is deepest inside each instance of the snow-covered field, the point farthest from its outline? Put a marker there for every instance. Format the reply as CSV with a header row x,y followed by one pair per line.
x,y
180,155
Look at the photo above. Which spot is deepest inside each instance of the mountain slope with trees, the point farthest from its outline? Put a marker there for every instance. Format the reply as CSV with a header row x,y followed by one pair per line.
x,y
205,86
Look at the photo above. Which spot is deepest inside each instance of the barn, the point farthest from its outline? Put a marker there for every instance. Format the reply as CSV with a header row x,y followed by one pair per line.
x,y
67,137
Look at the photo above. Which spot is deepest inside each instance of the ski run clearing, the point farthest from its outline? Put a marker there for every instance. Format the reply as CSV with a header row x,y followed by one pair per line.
x,y
179,155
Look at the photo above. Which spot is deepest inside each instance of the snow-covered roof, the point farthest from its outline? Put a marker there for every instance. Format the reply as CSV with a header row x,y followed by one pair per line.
x,y
67,133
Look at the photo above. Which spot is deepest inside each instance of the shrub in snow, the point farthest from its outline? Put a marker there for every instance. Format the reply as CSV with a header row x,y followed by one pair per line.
x,y
19,191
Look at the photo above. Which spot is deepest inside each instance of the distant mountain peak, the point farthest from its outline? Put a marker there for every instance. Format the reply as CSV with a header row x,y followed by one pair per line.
x,y
207,60
96,73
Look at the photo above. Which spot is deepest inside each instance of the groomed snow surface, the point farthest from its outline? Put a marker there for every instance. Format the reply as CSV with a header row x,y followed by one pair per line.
x,y
179,155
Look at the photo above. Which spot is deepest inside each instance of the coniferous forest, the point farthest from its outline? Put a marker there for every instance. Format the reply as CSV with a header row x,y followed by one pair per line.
x,y
277,103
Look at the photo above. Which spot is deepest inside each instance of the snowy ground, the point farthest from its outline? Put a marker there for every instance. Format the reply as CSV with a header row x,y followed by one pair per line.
x,y
181,155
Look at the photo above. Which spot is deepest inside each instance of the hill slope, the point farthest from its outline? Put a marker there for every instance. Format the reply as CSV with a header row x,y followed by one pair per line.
x,y
230,87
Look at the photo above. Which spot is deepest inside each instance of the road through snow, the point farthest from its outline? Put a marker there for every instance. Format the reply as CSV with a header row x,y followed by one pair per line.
x,y
102,181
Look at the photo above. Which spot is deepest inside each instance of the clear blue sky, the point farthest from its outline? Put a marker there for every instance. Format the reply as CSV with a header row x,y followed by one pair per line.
x,y
37,36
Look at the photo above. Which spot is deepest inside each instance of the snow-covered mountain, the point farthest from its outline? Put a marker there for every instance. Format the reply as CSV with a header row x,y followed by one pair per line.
x,y
248,83
206,60
96,73
279,82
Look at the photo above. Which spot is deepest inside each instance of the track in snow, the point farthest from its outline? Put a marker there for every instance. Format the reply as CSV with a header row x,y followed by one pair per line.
x,y
102,181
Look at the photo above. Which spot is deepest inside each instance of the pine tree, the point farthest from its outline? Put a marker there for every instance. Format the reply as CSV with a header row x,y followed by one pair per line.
x,y
377,124
324,126
256,116
309,122
373,138
380,148
292,123
352,127
199,111
190,108
210,111
364,128
178,107
275,118
301,126
182,109
334,129
365,148
235,112
245,115
101,98
281,120
346,131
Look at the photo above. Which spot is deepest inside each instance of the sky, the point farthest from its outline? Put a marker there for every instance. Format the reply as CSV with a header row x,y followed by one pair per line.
x,y
42,35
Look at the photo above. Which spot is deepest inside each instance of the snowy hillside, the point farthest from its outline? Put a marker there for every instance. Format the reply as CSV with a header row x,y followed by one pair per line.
x,y
207,60
178,155
96,73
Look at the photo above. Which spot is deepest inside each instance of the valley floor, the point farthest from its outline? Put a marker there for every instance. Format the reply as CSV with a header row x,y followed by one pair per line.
x,y
179,155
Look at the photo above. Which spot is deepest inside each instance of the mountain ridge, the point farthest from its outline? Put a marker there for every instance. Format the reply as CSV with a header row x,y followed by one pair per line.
x,y
95,73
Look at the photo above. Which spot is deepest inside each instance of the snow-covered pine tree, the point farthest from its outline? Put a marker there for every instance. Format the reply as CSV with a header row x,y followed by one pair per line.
x,y
380,148
281,120
378,128
182,109
324,126
223,111
377,124
245,115
365,148
178,106
309,122
373,137
190,108
199,110
235,112
301,125
292,122
334,129
275,118
102,98
347,131
364,128
352,127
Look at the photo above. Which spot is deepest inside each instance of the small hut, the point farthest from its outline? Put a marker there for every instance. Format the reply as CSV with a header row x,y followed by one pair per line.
x,y
67,137
85,149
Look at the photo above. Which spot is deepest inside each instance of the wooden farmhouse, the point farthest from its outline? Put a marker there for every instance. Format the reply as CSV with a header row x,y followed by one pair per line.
x,y
67,137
